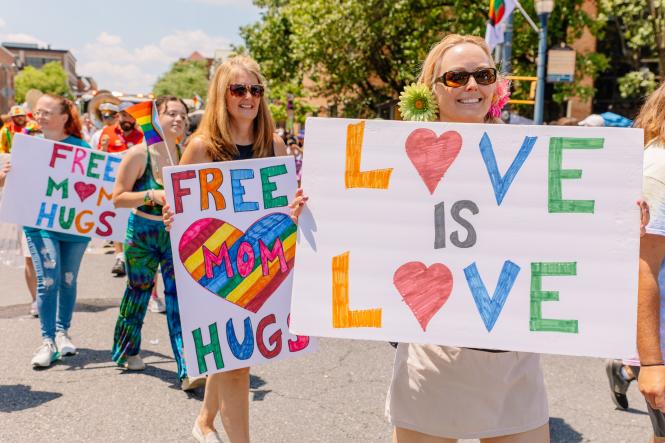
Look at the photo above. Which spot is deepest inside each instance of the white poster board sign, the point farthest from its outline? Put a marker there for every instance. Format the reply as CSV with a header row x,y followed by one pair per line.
x,y
233,246
488,236
63,188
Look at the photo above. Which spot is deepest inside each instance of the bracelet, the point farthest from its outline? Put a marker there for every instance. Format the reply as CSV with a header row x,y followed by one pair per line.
x,y
147,200
652,364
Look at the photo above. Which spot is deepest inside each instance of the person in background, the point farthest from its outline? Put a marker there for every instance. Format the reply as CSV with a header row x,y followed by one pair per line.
x,y
19,123
117,138
122,135
293,148
108,112
88,128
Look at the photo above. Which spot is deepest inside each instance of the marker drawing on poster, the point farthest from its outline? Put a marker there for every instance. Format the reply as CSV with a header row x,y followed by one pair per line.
x,y
63,188
487,236
234,247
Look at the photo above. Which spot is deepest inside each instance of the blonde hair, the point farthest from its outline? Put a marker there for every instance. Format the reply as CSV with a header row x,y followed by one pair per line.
x,y
215,128
652,116
433,60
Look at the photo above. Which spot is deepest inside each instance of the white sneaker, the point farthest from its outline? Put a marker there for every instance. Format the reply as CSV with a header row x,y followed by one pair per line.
x,y
157,305
134,363
210,437
33,309
46,354
191,383
64,343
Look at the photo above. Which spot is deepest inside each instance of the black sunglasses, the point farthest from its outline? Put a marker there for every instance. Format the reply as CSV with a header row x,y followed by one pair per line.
x,y
239,90
456,79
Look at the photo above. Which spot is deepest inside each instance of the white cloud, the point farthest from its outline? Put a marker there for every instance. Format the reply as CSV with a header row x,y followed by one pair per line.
x,y
2,23
131,70
21,38
108,39
127,77
186,42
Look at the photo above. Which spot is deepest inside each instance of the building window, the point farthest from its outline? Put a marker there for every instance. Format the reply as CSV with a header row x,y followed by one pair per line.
x,y
38,62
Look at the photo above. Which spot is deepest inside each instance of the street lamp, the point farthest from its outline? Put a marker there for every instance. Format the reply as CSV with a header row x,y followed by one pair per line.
x,y
543,9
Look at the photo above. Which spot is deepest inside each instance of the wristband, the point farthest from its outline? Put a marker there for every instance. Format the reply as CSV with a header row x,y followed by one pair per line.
x,y
652,364
147,200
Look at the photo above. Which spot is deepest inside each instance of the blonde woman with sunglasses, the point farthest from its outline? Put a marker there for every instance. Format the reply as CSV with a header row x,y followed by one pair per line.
x,y
236,125
439,394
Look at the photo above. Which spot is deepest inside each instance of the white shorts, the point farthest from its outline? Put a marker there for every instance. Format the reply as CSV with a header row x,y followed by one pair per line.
x,y
463,393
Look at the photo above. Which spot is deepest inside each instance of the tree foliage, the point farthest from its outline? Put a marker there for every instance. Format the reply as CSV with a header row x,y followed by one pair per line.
x,y
50,79
362,53
185,79
642,25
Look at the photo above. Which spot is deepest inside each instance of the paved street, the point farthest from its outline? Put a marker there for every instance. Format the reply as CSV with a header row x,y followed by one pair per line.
x,y
336,395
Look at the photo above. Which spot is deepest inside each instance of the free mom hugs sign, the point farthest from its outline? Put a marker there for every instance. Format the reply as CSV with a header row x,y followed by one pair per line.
x,y
63,188
234,247
489,236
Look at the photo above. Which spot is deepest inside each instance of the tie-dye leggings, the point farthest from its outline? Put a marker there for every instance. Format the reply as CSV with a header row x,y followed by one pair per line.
x,y
147,246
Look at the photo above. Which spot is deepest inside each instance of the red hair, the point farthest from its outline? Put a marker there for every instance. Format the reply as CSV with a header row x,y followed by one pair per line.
x,y
73,123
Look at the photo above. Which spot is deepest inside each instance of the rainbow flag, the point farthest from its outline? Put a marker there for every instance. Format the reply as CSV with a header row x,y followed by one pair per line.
x,y
499,11
145,114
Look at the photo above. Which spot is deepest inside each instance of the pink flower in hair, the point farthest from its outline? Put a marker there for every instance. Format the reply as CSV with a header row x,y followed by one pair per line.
x,y
501,97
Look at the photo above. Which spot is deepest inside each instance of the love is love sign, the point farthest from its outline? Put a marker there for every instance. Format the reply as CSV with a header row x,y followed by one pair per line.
x,y
63,188
233,246
488,236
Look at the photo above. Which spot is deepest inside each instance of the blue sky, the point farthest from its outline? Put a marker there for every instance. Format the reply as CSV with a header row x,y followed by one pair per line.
x,y
126,44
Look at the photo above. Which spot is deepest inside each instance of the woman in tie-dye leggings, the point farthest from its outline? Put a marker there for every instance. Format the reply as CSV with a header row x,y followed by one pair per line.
x,y
138,185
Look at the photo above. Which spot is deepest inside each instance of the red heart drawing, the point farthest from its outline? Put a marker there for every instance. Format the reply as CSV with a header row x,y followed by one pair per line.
x,y
432,155
84,190
425,290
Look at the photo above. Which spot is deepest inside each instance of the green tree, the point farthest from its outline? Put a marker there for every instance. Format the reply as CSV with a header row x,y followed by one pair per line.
x,y
642,23
362,53
185,79
51,79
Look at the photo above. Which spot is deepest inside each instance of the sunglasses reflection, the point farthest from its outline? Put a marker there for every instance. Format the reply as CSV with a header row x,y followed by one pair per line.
x,y
240,90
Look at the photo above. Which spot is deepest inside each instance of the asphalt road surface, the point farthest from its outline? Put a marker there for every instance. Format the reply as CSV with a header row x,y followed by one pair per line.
x,y
335,395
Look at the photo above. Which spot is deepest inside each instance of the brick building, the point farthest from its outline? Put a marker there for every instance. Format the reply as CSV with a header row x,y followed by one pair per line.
x,y
8,71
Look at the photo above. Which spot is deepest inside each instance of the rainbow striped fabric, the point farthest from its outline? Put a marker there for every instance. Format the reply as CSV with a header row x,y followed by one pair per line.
x,y
497,11
145,114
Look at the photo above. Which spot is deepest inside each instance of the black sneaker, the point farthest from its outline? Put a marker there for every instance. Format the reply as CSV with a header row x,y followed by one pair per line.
x,y
118,268
618,384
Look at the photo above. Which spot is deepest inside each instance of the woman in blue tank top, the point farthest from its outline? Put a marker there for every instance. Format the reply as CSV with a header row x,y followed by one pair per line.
x,y
236,125
147,246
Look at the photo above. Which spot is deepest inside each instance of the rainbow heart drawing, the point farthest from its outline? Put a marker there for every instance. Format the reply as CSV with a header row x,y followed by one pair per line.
x,y
242,268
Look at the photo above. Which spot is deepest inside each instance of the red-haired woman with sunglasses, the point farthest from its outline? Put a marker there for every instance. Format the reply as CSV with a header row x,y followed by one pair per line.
x,y
236,125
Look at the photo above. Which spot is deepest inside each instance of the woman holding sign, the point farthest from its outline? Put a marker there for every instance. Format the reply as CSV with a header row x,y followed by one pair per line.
x,y
236,125
139,186
56,256
443,393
